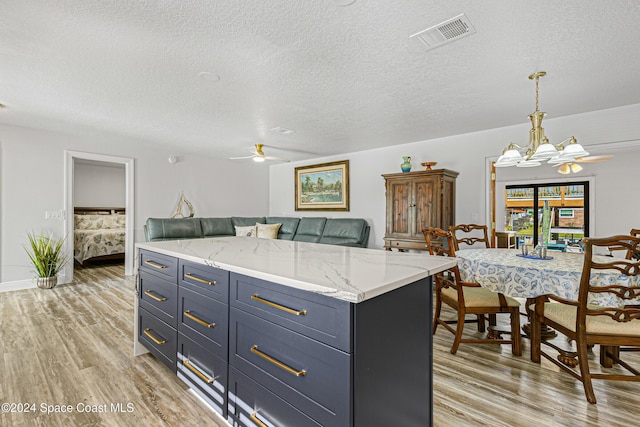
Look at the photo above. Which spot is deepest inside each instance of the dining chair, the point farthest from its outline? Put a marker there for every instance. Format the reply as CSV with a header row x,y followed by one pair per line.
x,y
614,324
469,234
468,298
634,254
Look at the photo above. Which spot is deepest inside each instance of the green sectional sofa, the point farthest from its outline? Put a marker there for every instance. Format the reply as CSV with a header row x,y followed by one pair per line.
x,y
334,231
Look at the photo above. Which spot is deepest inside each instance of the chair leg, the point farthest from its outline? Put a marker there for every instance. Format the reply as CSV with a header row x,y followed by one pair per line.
x,y
516,340
585,374
535,326
436,314
459,328
492,320
481,326
605,355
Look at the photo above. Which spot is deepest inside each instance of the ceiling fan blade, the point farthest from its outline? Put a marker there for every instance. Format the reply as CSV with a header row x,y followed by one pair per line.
x,y
593,159
244,157
280,159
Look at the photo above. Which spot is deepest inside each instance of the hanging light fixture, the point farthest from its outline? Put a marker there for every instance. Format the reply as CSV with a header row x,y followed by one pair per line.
x,y
539,148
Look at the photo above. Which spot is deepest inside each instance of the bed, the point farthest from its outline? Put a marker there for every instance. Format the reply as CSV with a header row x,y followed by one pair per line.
x,y
99,234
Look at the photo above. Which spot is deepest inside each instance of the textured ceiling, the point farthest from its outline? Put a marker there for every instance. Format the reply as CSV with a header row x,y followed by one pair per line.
x,y
344,78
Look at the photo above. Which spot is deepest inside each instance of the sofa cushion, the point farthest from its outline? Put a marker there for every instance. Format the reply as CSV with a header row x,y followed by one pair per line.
x,y
310,230
344,231
246,231
288,227
244,221
213,227
267,231
173,228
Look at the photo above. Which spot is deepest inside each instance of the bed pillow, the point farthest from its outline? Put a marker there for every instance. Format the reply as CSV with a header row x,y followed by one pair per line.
x,y
248,231
267,231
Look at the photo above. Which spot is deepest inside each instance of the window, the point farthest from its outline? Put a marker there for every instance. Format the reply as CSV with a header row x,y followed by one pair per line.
x,y
551,213
565,213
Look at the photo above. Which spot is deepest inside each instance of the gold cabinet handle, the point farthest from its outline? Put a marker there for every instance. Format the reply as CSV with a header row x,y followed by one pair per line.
x,y
255,419
255,297
278,363
154,264
158,341
199,320
155,297
198,279
197,371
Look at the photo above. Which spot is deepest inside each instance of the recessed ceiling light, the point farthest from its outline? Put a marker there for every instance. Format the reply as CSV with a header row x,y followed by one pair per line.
x,y
208,76
281,130
343,3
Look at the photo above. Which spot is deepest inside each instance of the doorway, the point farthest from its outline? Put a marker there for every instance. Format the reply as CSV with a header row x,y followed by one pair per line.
x,y
69,163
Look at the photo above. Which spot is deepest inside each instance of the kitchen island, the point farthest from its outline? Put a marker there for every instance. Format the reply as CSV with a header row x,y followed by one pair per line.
x,y
273,332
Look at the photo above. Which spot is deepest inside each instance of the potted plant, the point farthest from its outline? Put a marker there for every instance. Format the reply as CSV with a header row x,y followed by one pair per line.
x,y
47,258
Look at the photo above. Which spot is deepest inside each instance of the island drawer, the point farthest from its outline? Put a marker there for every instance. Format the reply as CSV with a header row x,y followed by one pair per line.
x,y
209,281
323,318
204,320
248,401
159,297
162,265
204,372
158,337
308,374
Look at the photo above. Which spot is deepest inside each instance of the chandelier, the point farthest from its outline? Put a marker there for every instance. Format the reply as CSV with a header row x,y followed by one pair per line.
x,y
539,149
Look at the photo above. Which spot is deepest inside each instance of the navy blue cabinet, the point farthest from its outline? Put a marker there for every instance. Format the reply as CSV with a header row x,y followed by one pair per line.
x,y
261,353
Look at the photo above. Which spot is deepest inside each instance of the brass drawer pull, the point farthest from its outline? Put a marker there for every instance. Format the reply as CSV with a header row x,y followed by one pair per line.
x,y
198,320
158,341
255,419
255,297
155,297
154,264
197,279
196,371
278,363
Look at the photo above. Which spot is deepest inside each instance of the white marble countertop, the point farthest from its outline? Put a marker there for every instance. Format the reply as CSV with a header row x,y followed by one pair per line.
x,y
350,274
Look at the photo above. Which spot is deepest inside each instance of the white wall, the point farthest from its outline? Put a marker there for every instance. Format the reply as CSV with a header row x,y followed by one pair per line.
x,y
98,185
615,207
32,182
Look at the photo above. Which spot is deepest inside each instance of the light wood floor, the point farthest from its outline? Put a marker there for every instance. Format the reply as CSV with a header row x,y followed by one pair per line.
x,y
73,345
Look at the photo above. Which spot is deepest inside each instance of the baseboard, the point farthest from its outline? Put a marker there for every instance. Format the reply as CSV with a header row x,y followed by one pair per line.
x,y
17,285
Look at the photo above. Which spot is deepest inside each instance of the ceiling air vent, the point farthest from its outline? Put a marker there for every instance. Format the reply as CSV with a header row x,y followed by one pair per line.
x,y
445,32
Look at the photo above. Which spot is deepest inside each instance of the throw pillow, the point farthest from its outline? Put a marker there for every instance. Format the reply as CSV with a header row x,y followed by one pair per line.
x,y
249,231
267,231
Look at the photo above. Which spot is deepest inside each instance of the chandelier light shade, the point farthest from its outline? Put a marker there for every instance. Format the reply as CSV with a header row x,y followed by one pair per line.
x,y
539,149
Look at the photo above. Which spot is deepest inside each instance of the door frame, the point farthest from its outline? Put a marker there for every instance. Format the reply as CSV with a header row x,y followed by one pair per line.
x,y
69,161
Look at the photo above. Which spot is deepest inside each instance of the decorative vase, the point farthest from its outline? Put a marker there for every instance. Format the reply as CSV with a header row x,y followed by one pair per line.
x,y
406,165
47,282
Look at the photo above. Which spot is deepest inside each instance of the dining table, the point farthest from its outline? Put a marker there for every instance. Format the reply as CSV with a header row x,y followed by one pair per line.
x,y
509,272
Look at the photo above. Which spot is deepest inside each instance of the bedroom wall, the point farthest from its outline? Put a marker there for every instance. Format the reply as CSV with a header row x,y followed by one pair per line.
x,y
98,185
615,208
32,182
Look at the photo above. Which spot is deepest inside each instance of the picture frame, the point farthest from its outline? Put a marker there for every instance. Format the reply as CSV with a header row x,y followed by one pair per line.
x,y
322,187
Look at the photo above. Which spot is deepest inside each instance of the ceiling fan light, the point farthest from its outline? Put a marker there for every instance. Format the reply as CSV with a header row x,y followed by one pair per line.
x,y
564,169
258,159
575,168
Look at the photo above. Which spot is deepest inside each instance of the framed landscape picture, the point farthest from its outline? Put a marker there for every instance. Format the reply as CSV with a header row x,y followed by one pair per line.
x,y
322,187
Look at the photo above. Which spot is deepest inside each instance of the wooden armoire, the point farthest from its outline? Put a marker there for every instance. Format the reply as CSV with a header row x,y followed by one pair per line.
x,y
416,200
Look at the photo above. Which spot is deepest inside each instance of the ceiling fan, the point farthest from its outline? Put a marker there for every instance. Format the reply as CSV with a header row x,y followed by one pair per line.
x,y
574,167
259,156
